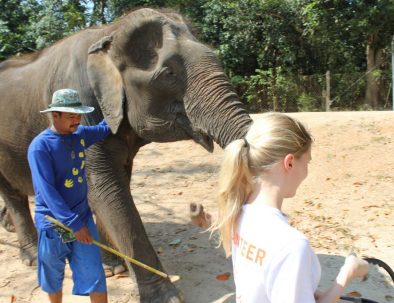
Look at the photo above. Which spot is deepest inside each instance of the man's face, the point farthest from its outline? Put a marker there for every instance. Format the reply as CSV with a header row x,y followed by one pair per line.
x,y
66,123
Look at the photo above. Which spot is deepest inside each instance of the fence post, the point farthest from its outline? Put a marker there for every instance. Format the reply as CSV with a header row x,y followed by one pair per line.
x,y
328,80
392,68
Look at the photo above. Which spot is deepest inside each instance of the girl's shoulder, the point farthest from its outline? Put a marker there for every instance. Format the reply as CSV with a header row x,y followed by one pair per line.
x,y
268,225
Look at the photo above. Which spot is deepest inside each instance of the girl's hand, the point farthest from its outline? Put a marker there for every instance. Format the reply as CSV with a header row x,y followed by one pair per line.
x,y
353,268
318,295
357,267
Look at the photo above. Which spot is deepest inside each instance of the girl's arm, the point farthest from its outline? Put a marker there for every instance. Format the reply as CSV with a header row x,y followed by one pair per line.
x,y
353,268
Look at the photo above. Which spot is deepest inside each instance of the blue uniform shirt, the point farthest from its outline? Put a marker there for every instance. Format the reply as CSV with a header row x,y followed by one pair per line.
x,y
57,164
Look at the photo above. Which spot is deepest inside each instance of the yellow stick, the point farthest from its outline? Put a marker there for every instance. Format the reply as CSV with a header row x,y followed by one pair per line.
x,y
115,252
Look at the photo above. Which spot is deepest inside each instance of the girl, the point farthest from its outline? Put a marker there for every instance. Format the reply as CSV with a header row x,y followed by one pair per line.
x,y
273,262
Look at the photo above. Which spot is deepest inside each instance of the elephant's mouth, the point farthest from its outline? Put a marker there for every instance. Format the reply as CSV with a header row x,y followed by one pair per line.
x,y
199,136
203,139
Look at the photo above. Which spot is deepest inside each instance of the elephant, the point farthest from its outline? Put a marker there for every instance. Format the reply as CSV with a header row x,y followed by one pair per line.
x,y
152,81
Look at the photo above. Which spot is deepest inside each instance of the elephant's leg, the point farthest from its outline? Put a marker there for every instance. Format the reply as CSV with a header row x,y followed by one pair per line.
x,y
109,171
6,221
112,264
124,224
17,205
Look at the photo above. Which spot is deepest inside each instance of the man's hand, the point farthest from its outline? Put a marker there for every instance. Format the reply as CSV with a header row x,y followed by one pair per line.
x,y
83,235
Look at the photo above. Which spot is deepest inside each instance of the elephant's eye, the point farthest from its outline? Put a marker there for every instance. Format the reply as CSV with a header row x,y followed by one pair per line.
x,y
167,71
164,79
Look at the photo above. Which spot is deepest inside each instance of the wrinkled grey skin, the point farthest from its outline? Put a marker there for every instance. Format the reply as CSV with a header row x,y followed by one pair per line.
x,y
153,82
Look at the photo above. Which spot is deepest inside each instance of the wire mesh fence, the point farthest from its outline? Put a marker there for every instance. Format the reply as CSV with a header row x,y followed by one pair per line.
x,y
269,90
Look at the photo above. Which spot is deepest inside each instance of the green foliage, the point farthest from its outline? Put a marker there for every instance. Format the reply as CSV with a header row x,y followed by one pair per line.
x,y
340,30
74,15
14,19
275,52
306,103
348,90
105,11
27,25
280,91
193,9
270,90
259,93
50,25
254,34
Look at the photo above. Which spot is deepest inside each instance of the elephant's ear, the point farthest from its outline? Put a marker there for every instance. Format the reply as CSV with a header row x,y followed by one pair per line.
x,y
106,82
139,38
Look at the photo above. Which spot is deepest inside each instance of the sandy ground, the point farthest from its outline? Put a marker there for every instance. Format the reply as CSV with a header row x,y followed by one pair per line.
x,y
346,204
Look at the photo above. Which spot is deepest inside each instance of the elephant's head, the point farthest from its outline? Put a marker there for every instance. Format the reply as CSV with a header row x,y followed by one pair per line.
x,y
151,70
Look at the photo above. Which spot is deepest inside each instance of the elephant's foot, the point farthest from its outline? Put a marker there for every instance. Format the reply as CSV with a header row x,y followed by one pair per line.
x,y
110,270
112,265
6,221
159,291
28,254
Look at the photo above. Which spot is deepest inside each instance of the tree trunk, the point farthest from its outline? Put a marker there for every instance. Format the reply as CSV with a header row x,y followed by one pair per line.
x,y
374,60
275,98
328,92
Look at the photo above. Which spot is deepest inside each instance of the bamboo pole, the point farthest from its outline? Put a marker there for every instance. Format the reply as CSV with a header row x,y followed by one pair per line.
x,y
172,278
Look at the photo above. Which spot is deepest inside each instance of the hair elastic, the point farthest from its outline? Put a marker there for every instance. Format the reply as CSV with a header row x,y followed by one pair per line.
x,y
246,143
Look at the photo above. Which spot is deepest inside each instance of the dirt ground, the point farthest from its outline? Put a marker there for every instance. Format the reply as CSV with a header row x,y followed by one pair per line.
x,y
346,204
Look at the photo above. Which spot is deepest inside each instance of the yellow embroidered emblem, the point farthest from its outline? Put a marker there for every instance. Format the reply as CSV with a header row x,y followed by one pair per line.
x,y
82,164
81,154
69,183
80,179
75,171
82,142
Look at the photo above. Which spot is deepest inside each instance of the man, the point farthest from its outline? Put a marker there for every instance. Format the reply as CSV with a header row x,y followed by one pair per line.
x,y
57,162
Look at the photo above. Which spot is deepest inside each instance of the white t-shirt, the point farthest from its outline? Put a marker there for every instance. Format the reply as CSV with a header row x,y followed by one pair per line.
x,y
273,262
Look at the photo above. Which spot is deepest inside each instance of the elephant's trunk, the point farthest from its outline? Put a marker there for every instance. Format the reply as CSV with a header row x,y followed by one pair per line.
x,y
211,103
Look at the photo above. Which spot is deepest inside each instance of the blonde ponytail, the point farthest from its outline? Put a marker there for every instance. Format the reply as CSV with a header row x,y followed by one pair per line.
x,y
268,140
235,184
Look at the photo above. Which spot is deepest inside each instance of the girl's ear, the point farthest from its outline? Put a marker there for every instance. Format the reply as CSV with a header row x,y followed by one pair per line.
x,y
288,162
